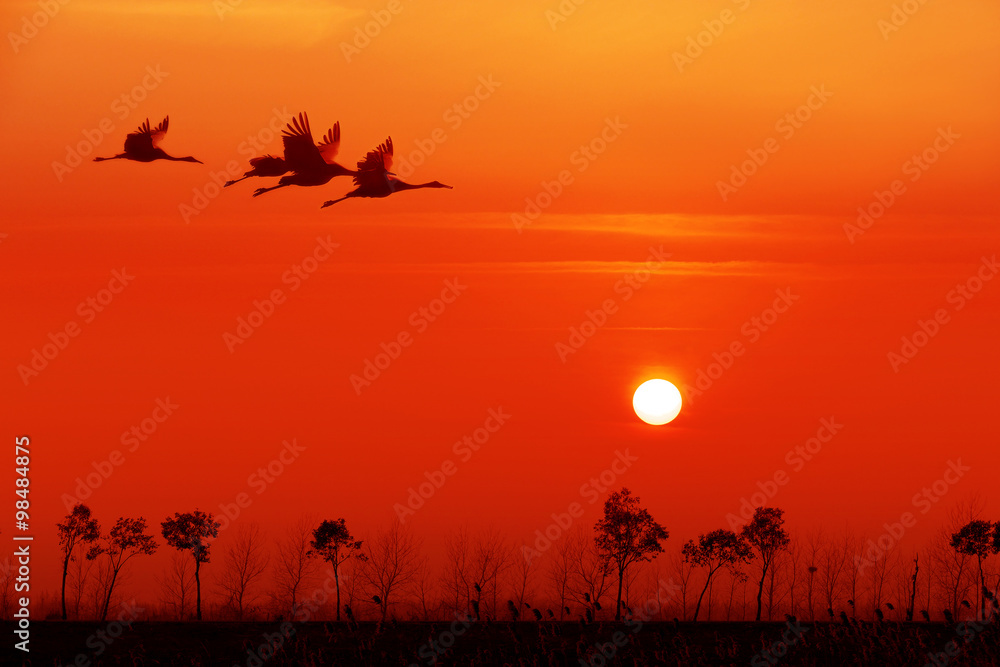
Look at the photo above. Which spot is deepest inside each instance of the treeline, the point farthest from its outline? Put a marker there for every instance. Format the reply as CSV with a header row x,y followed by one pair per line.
x,y
616,570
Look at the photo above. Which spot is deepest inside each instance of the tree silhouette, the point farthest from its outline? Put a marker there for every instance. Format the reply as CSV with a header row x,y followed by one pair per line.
x,y
78,528
390,564
176,583
766,535
192,531
127,538
244,565
294,567
720,548
333,543
980,539
627,534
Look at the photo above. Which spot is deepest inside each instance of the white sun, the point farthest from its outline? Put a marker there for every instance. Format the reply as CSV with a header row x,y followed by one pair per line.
x,y
657,402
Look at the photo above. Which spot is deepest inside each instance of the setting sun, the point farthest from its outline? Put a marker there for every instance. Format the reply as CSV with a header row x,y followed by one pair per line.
x,y
657,402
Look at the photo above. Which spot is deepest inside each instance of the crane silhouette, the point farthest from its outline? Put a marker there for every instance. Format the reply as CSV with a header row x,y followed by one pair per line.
x,y
143,145
271,165
310,164
374,177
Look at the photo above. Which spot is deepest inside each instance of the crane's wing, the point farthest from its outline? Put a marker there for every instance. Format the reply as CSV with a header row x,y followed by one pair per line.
x,y
330,146
373,168
386,150
140,141
301,154
156,134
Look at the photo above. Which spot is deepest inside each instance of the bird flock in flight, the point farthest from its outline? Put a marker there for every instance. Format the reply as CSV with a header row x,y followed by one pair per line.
x,y
304,162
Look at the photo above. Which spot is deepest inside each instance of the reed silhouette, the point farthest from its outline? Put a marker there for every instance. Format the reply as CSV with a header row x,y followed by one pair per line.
x,y
143,145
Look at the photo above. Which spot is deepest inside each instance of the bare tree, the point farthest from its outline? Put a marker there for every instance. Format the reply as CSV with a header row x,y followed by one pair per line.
x,y
474,570
834,559
683,569
560,570
592,576
852,545
814,554
177,585
795,554
776,591
881,570
455,578
423,586
734,579
79,575
244,564
294,568
913,588
391,562
492,558
6,588
523,573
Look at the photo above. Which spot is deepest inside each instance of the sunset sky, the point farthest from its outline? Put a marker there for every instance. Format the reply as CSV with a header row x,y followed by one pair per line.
x,y
637,114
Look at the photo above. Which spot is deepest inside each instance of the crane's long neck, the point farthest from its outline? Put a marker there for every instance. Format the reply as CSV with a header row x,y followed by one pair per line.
x,y
398,185
189,158
339,170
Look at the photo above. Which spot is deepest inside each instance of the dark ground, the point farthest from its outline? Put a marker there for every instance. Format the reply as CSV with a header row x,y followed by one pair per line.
x,y
89,644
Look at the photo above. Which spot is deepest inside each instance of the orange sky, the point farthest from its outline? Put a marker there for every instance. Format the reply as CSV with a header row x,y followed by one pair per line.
x,y
661,138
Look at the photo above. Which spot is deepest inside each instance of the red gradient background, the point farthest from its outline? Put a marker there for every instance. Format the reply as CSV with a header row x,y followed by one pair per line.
x,y
655,185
